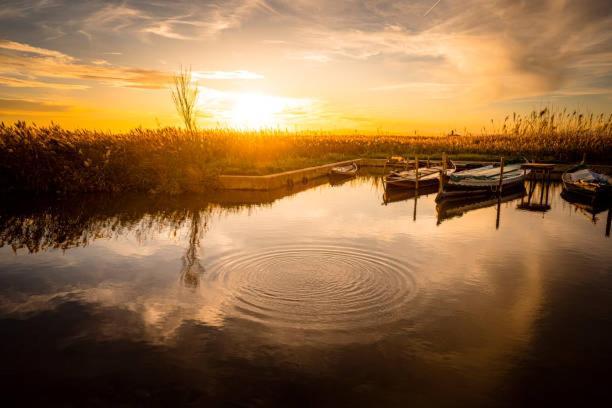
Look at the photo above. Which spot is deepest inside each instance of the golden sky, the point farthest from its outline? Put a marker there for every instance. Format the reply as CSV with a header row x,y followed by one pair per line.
x,y
422,66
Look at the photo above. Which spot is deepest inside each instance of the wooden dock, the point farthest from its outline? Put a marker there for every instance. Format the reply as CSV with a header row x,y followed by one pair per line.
x,y
290,179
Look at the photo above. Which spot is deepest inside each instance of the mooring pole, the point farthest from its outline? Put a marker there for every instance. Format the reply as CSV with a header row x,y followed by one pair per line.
x,y
501,174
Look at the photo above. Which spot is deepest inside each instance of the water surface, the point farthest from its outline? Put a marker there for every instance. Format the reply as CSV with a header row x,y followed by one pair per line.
x,y
325,295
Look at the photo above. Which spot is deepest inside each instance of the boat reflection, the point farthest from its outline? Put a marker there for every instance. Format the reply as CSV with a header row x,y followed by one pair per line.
x,y
530,203
447,209
591,208
392,195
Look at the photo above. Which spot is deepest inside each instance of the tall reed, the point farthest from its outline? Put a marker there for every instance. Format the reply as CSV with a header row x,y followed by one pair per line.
x,y
170,160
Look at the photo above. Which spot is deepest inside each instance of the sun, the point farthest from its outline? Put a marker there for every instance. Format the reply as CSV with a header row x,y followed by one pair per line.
x,y
253,110
257,111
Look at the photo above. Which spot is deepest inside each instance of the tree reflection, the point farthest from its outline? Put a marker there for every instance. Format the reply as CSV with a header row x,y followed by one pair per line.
x,y
65,223
192,268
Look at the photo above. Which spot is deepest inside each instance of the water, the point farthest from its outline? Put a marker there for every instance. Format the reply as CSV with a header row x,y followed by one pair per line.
x,y
330,295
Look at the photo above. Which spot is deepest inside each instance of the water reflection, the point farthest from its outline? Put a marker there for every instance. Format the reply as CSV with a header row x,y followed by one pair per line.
x,y
318,295
529,202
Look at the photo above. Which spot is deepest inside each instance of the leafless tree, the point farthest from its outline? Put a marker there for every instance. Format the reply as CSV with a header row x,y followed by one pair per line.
x,y
185,95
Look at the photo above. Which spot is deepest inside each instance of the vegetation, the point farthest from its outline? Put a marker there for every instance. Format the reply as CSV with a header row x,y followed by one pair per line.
x,y
170,160
185,96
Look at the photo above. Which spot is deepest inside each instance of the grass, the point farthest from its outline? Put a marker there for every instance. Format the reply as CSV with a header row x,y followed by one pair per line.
x,y
170,160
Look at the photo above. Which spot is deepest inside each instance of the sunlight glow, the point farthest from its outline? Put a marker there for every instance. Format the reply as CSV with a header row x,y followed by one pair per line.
x,y
252,110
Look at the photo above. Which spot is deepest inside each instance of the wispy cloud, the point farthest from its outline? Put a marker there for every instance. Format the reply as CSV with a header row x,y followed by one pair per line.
x,y
240,74
25,105
40,65
26,83
25,48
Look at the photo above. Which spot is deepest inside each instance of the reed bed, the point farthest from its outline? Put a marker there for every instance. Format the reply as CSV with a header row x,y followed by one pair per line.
x,y
171,160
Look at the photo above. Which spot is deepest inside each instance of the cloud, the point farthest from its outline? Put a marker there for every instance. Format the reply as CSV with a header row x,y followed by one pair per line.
x,y
44,64
23,105
25,48
26,83
226,75
498,49
40,65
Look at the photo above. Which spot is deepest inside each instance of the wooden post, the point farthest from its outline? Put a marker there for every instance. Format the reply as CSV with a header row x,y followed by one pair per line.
x,y
501,174
428,164
416,171
583,158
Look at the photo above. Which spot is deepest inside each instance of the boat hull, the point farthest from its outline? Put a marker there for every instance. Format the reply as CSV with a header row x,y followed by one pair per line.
x,y
407,180
404,183
343,171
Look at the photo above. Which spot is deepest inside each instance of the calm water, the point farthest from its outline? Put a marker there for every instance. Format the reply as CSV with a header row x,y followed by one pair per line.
x,y
333,295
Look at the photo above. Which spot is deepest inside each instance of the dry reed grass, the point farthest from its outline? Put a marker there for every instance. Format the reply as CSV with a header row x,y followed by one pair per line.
x,y
170,160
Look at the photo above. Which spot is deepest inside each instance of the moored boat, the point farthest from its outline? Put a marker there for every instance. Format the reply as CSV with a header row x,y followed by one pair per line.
x,y
348,170
483,181
427,177
582,181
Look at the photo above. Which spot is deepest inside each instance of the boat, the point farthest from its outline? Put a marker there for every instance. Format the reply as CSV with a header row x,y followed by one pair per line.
x,y
427,177
582,181
348,170
483,181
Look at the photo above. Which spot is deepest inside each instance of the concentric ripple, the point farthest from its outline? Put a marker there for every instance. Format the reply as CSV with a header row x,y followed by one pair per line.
x,y
316,287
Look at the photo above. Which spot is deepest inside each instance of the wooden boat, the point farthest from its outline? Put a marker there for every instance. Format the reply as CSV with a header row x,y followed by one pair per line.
x,y
483,181
582,181
348,170
427,177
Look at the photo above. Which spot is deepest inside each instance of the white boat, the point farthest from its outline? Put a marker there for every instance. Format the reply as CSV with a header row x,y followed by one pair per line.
x,y
348,170
484,181
427,176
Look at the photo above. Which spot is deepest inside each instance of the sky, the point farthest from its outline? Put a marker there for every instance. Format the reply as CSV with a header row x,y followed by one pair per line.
x,y
424,66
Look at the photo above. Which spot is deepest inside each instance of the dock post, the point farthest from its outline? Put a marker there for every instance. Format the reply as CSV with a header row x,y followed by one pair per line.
x,y
416,171
583,158
428,164
501,174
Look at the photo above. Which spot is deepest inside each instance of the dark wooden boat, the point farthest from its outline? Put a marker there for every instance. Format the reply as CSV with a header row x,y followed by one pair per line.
x,y
407,179
582,181
348,170
483,181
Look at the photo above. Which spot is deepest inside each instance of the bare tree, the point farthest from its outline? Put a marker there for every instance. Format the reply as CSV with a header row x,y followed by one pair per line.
x,y
185,95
